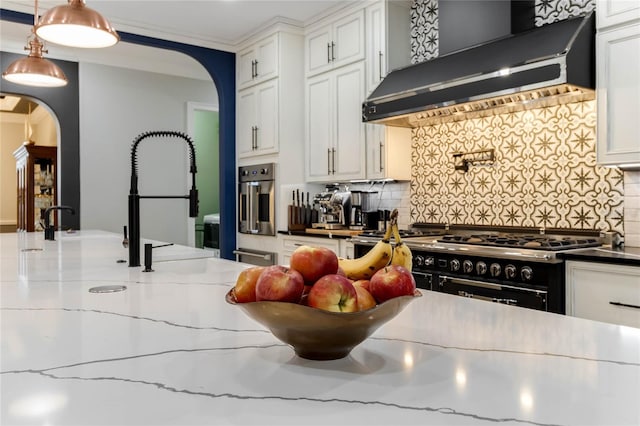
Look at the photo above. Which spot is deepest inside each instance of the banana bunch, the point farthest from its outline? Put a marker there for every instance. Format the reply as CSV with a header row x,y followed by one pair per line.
x,y
401,253
375,259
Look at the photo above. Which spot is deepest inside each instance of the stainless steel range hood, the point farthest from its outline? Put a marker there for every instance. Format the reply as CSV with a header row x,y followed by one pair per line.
x,y
545,66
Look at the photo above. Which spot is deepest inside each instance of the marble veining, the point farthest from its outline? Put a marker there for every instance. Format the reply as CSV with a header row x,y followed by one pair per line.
x,y
169,350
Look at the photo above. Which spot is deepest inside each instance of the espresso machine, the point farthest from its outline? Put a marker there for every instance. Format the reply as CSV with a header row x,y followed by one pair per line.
x,y
334,208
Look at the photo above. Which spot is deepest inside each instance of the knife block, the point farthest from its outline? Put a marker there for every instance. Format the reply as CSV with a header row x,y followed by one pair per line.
x,y
296,218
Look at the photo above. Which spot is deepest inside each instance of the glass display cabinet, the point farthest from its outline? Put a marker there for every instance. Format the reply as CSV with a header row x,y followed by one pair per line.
x,y
36,169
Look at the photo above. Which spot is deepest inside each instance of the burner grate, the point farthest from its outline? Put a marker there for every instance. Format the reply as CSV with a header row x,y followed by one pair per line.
x,y
522,241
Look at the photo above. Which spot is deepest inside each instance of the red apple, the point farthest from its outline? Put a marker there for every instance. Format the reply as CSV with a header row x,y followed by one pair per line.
x,y
245,288
362,283
333,293
392,281
279,283
365,299
314,262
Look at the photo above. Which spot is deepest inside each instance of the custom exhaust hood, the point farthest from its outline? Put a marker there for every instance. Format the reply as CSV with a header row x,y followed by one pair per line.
x,y
548,65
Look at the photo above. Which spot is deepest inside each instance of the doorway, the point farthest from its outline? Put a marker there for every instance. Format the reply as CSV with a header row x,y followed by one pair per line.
x,y
203,125
25,121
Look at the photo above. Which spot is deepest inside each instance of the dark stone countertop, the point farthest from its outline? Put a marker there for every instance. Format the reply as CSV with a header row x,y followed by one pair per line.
x,y
621,256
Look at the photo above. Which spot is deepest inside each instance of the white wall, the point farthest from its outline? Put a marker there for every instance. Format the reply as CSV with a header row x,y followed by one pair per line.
x,y
117,105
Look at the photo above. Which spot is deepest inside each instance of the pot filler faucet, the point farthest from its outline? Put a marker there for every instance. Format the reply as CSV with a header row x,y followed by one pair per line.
x,y
49,230
134,197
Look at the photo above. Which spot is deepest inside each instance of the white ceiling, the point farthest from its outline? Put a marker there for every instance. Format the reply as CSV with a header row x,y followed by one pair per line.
x,y
217,24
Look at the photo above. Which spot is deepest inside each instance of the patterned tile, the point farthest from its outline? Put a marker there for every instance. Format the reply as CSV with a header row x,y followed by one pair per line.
x,y
424,30
549,11
544,174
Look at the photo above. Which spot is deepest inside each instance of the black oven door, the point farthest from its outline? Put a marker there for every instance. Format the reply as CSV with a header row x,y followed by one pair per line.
x,y
492,292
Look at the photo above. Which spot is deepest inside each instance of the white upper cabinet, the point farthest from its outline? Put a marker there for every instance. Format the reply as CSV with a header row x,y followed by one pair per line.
x,y
258,62
335,44
335,139
388,152
388,39
618,84
270,106
257,125
615,12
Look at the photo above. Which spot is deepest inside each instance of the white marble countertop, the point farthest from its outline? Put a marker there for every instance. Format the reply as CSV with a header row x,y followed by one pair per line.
x,y
170,350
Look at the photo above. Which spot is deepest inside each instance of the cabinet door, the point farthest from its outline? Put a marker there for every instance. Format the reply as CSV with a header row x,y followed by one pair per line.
x,y
614,12
376,36
246,122
388,152
348,39
618,95
603,292
245,67
266,133
319,128
318,50
349,140
267,58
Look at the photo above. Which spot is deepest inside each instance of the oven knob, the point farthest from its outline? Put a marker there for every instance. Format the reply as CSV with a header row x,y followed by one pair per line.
x,y
526,273
455,265
510,272
481,268
264,171
419,260
429,261
495,269
467,266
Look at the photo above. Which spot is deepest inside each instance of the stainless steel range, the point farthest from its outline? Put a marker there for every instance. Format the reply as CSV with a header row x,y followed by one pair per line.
x,y
514,266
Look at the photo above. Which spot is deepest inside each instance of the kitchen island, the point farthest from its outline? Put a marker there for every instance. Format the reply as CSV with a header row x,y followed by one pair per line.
x,y
170,350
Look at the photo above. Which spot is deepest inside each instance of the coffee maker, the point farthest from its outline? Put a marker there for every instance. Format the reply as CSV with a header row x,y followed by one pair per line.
x,y
363,214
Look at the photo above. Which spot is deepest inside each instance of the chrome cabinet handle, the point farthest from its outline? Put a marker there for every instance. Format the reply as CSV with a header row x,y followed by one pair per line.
x,y
328,52
626,305
380,64
256,69
246,253
333,161
381,149
333,56
329,161
256,137
253,69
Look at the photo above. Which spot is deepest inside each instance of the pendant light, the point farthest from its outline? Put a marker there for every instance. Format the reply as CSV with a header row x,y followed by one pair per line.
x,y
76,25
34,70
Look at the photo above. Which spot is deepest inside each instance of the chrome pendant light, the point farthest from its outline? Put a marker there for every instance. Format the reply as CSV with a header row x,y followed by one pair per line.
x,y
76,25
34,70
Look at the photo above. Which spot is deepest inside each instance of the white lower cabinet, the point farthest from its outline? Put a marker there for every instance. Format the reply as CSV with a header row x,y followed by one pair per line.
x,y
288,244
603,292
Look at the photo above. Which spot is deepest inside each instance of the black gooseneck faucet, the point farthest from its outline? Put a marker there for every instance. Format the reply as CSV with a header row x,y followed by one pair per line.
x,y
134,197
50,230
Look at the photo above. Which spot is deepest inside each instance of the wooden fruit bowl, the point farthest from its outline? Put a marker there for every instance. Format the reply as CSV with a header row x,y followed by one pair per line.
x,y
318,334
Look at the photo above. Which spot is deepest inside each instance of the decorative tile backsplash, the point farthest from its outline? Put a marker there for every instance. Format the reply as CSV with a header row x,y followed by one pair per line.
x,y
544,173
424,30
549,11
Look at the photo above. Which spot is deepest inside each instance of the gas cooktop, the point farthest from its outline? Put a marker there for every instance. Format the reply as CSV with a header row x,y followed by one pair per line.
x,y
522,241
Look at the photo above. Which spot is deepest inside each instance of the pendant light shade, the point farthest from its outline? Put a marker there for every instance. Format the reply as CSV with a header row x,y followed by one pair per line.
x,y
34,70
76,25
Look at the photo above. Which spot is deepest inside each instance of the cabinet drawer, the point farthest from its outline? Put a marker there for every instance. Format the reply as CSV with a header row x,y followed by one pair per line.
x,y
603,292
290,244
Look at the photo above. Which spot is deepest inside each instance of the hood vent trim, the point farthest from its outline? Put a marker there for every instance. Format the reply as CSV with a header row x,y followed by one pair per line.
x,y
562,72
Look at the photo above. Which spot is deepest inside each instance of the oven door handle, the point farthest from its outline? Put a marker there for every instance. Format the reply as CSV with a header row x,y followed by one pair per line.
x,y
253,192
444,278
489,299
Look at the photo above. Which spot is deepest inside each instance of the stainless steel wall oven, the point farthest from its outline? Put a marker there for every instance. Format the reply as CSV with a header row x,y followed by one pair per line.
x,y
256,199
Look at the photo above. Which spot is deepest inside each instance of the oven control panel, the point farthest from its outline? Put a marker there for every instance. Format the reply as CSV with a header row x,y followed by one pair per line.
x,y
490,269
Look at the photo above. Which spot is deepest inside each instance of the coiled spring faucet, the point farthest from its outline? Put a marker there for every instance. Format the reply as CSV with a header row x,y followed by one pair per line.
x,y
134,197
